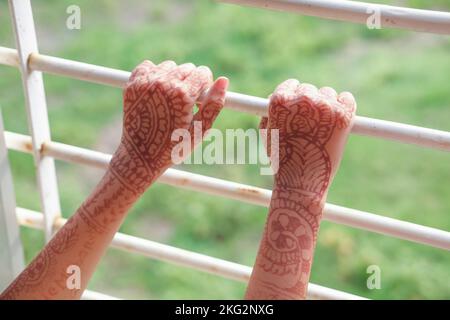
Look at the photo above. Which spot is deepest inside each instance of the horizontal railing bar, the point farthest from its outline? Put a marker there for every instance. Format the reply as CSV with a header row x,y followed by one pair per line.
x,y
389,130
360,12
181,257
94,295
248,194
9,57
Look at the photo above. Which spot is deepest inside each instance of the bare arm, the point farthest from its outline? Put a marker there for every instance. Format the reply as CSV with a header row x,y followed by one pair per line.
x,y
157,101
313,128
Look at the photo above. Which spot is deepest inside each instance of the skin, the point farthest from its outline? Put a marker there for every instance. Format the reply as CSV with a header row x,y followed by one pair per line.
x,y
158,99
313,129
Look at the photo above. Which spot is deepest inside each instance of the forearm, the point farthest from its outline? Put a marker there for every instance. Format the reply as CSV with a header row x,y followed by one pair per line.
x,y
81,242
283,264
313,126
158,102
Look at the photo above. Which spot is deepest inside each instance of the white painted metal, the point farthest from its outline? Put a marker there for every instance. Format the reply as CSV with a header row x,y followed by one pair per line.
x,y
39,129
31,63
389,130
359,12
93,295
80,70
424,137
183,257
249,194
11,250
9,57
254,105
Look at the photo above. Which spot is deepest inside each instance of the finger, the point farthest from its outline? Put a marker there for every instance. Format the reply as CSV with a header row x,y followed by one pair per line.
x,y
142,69
138,80
284,92
308,90
166,66
212,104
198,81
180,72
348,102
287,87
328,92
161,69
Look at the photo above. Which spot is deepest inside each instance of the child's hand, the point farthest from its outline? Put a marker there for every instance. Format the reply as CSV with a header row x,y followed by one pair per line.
x,y
159,99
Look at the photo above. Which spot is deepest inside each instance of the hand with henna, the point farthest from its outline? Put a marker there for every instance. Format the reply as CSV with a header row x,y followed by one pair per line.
x,y
158,100
313,127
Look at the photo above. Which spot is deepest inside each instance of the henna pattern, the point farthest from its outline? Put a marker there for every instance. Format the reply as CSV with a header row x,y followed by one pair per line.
x,y
289,240
311,122
32,279
66,239
150,117
107,205
157,100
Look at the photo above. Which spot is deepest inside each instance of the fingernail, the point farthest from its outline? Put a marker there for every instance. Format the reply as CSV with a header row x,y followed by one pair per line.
x,y
222,83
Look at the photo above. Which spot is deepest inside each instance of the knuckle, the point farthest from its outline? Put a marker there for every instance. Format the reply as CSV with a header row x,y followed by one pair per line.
x,y
328,92
346,98
312,99
147,62
307,87
159,82
277,99
204,69
179,89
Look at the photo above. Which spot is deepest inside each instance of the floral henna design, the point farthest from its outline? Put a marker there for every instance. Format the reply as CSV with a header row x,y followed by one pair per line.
x,y
289,239
157,101
151,114
33,277
313,126
30,279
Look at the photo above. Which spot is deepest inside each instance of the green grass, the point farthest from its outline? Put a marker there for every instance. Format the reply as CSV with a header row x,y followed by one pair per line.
x,y
394,75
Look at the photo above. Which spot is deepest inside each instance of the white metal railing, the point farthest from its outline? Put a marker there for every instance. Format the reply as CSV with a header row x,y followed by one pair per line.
x,y
44,150
359,12
93,295
424,137
181,257
36,104
245,193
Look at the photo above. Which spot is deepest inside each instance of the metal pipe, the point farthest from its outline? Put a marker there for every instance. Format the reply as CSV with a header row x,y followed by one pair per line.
x,y
389,130
248,194
360,12
182,257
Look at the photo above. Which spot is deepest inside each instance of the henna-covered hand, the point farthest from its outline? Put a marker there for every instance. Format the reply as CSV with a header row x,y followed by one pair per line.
x,y
158,100
313,128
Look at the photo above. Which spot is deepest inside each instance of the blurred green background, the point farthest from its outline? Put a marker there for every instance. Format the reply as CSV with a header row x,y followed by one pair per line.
x,y
394,75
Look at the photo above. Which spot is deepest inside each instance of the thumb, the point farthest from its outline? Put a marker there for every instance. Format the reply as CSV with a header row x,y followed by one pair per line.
x,y
212,104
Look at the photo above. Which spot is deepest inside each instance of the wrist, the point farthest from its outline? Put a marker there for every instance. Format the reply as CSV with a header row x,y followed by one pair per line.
x,y
130,170
304,185
128,173
108,204
311,203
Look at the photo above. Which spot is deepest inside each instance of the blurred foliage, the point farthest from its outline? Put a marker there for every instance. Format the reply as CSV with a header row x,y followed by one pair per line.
x,y
394,75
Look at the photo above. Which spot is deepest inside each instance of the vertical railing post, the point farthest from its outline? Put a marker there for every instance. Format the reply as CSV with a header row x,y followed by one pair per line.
x,y
22,17
11,251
